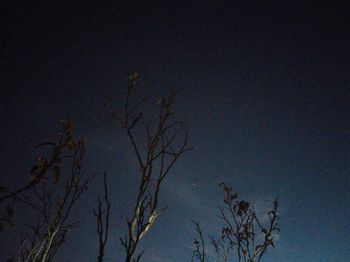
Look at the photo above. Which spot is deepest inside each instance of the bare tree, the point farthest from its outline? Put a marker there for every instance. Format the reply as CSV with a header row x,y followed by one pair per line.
x,y
166,140
51,203
242,233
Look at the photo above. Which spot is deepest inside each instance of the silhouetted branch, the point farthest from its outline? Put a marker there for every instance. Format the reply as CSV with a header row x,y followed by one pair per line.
x,y
102,220
42,168
239,232
164,145
199,251
50,229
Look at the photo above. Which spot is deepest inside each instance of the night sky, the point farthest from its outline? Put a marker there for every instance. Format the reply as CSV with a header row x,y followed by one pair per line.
x,y
265,86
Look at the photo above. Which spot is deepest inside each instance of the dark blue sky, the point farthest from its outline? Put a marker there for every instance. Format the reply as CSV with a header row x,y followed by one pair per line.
x,y
265,85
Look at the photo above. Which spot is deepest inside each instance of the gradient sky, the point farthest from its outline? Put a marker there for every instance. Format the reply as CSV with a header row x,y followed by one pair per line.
x,y
265,85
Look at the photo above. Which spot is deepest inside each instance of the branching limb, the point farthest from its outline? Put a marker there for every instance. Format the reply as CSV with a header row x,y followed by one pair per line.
x,y
199,251
53,204
165,141
239,233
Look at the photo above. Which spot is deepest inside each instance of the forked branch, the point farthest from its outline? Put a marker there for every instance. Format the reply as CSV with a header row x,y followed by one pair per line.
x,y
165,141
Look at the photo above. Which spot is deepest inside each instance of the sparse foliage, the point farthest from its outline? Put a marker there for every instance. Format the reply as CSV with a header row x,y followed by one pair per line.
x,y
57,182
51,203
40,172
243,234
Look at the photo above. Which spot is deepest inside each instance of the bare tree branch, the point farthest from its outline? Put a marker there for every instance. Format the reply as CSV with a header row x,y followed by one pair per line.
x,y
165,142
51,227
102,220
199,251
239,232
